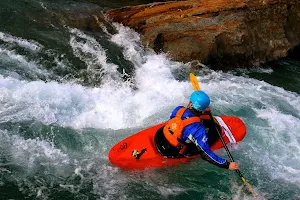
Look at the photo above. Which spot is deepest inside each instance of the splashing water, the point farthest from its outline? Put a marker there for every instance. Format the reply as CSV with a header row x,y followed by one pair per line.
x,y
55,135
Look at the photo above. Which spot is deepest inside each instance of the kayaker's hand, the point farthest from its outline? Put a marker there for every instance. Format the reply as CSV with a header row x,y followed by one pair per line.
x,y
233,166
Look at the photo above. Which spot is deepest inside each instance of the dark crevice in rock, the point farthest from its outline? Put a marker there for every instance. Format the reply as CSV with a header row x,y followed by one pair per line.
x,y
294,53
158,44
214,14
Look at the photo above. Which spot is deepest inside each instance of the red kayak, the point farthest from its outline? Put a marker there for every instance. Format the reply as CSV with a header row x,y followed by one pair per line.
x,y
149,149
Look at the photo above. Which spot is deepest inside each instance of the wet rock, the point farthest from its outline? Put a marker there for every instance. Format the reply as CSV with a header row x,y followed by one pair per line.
x,y
82,16
216,32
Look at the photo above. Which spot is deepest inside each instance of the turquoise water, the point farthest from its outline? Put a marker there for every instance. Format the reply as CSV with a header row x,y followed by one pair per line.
x,y
68,95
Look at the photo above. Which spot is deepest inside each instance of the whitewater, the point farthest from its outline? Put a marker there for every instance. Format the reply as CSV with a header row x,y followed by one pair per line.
x,y
56,129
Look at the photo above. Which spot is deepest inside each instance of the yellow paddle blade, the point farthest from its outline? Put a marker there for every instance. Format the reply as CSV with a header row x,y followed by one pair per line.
x,y
194,82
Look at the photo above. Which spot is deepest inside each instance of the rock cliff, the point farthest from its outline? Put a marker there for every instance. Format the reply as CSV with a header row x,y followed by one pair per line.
x,y
216,32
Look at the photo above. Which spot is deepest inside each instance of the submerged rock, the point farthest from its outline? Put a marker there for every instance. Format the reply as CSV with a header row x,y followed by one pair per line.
x,y
81,16
217,32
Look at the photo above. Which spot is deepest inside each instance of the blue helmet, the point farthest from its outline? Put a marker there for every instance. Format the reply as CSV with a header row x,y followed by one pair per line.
x,y
200,100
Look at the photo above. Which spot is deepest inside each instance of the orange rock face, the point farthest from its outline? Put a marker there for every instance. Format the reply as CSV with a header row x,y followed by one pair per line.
x,y
217,32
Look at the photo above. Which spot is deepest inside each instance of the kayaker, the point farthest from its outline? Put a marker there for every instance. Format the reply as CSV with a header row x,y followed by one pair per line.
x,y
193,131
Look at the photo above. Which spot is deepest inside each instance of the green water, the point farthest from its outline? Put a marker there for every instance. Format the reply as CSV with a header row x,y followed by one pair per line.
x,y
286,74
68,95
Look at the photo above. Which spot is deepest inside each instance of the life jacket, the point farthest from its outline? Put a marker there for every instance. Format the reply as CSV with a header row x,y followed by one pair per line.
x,y
174,127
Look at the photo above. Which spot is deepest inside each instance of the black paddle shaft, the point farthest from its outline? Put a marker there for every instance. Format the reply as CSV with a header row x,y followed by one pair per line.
x,y
224,144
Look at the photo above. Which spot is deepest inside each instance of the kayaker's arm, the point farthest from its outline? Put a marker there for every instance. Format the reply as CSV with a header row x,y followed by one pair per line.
x,y
207,154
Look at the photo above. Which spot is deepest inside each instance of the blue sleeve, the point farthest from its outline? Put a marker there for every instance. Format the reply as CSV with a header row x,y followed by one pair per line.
x,y
199,138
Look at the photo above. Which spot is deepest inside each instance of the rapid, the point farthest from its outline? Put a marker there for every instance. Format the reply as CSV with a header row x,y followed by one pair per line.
x,y
68,95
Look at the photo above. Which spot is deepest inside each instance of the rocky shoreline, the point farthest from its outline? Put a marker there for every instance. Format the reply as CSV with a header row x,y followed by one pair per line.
x,y
219,33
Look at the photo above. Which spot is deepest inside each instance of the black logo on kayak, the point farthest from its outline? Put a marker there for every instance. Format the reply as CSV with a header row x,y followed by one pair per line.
x,y
137,154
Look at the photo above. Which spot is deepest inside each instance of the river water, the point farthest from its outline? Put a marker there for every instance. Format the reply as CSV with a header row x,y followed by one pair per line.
x,y
68,95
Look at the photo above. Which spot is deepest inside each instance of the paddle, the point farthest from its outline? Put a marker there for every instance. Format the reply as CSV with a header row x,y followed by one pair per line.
x,y
194,82
196,86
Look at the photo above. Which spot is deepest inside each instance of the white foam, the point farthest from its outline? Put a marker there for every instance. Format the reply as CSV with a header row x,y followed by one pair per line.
x,y
30,152
153,76
89,50
262,70
130,42
29,44
46,102
283,153
29,67
111,106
